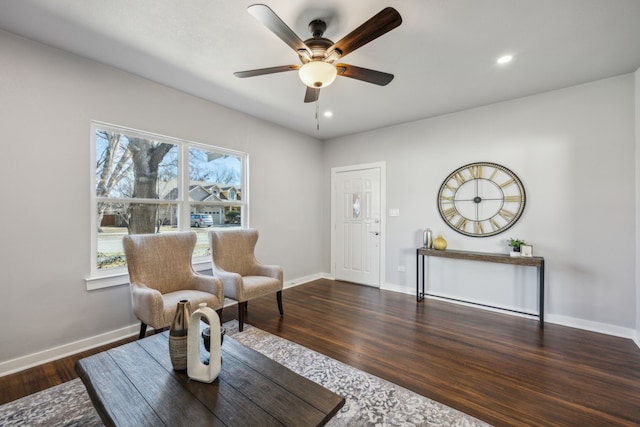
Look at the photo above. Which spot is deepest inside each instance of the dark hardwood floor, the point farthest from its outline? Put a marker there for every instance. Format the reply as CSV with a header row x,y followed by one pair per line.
x,y
499,368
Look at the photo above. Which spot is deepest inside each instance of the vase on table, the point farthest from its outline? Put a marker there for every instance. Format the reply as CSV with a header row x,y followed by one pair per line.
x,y
427,239
439,243
178,334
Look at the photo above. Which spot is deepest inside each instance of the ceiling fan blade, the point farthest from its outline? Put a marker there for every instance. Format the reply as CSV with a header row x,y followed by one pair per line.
x,y
262,71
370,76
312,94
269,19
386,20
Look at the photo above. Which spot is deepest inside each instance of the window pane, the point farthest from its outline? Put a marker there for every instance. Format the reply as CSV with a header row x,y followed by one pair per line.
x,y
214,176
128,166
202,242
215,215
205,217
115,223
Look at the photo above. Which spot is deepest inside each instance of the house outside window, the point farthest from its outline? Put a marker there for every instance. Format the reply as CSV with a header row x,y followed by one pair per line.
x,y
146,183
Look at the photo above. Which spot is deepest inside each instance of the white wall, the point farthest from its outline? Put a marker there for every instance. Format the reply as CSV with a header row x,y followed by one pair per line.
x,y
47,100
574,150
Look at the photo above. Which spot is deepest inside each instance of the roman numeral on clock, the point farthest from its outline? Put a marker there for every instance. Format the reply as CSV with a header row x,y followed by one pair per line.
x,y
514,199
462,223
450,213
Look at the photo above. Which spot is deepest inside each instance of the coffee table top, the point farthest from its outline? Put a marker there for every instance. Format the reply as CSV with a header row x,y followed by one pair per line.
x,y
135,385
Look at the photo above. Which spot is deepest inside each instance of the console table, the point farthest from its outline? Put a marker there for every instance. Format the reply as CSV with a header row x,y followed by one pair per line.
x,y
534,261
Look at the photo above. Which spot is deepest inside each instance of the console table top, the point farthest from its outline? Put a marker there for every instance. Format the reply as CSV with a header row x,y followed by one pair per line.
x,y
535,261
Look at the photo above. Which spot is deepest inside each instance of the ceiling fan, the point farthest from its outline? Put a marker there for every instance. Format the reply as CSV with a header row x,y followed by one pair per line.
x,y
318,54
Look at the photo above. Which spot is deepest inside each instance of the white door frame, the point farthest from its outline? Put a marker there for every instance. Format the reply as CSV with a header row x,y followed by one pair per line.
x,y
383,215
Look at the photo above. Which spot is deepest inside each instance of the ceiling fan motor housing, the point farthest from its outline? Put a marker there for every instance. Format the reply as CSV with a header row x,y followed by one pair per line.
x,y
317,27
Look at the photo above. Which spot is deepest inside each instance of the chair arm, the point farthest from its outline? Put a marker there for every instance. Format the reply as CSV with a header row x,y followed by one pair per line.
x,y
148,305
274,271
209,284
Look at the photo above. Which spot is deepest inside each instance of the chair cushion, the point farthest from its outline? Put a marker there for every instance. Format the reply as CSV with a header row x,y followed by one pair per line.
x,y
194,297
257,286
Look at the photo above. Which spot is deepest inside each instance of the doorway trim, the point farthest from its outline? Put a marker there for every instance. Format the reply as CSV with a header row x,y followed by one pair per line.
x,y
383,215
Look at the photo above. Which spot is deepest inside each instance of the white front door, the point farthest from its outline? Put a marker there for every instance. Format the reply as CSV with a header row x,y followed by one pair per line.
x,y
358,229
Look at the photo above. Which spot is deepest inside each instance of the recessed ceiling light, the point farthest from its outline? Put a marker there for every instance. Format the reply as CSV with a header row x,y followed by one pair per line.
x,y
328,114
505,59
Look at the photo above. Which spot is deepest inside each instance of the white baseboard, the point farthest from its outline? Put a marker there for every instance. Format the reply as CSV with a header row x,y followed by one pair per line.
x,y
588,325
302,280
396,288
572,322
35,359
55,353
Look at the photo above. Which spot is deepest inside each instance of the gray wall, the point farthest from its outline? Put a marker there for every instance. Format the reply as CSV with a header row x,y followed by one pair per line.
x,y
48,99
574,150
637,117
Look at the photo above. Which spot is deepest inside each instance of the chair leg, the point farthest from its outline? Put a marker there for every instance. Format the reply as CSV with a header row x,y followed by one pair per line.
x,y
219,311
242,311
279,298
143,330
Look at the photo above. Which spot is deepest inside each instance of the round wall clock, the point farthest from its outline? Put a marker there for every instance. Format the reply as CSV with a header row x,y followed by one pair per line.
x,y
481,199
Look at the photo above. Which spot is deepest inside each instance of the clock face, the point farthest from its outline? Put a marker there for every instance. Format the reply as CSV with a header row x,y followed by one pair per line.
x,y
481,199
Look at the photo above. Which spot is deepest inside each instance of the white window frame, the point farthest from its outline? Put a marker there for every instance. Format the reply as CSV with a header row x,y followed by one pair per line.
x,y
98,279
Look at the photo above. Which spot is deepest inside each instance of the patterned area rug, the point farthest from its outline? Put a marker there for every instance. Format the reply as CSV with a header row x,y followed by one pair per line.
x,y
370,401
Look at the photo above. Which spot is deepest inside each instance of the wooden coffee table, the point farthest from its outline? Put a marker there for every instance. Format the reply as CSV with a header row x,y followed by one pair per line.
x,y
135,385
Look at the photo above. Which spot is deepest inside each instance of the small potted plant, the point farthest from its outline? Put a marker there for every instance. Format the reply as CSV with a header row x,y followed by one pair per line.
x,y
515,246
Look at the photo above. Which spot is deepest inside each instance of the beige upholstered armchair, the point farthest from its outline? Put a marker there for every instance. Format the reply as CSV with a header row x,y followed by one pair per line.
x,y
161,274
243,277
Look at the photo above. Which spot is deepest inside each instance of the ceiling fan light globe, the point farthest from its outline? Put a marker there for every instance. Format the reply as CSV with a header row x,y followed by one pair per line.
x,y
317,74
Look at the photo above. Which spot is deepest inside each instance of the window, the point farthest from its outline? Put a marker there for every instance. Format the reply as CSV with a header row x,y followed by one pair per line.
x,y
146,183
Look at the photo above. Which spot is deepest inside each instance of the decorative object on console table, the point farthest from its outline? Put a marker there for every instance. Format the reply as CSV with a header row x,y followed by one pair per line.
x,y
178,335
526,250
515,246
427,239
440,244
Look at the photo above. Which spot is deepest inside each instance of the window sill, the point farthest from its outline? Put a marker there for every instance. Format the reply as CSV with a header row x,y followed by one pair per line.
x,y
122,278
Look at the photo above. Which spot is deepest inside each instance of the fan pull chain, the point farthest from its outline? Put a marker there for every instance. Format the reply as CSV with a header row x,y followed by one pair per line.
x,y
318,114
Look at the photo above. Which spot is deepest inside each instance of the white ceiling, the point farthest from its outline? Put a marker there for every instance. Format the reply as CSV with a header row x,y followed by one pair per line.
x,y
443,55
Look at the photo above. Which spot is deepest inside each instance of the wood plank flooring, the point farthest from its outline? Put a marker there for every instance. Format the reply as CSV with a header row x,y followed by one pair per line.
x,y
499,368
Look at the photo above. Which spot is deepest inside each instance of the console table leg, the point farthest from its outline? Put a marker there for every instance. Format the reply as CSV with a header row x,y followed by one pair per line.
x,y
541,284
424,280
418,296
